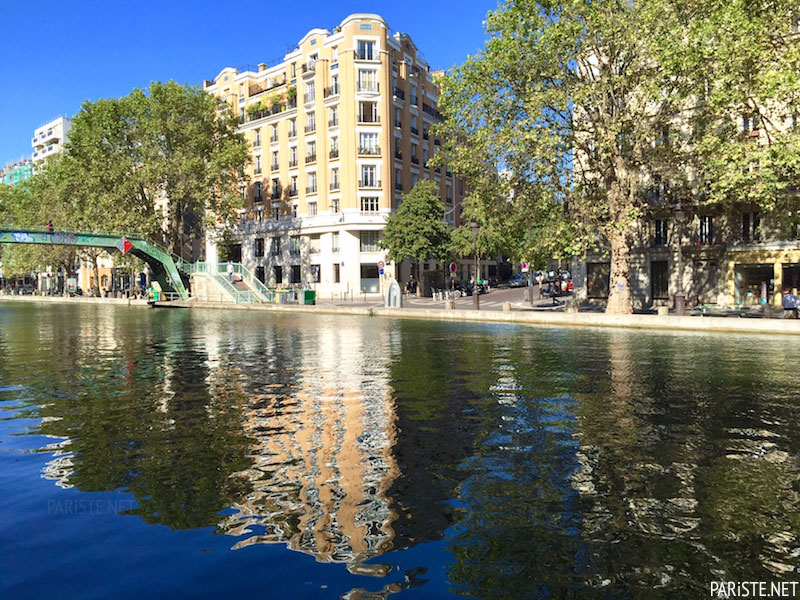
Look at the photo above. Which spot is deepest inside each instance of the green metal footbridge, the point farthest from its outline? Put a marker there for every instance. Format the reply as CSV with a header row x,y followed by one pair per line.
x,y
164,266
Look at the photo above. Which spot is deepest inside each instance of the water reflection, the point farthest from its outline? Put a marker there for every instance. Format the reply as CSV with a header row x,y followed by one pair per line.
x,y
554,463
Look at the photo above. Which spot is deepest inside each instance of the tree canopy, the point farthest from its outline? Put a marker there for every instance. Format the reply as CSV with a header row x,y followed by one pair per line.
x,y
416,230
584,105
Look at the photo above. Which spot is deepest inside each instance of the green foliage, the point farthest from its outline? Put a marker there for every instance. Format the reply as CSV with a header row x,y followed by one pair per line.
x,y
416,230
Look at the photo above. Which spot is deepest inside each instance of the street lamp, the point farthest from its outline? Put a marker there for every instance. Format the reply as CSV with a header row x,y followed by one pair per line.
x,y
678,298
474,229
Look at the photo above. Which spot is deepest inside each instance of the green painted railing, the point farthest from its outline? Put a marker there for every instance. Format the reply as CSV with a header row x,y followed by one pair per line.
x,y
262,292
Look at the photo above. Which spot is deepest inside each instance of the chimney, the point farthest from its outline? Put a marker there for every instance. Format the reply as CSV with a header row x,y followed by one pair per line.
x,y
262,67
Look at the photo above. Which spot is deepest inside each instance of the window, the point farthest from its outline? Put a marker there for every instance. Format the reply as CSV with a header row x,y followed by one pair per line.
x,y
414,157
293,186
294,211
293,156
258,251
751,122
275,161
278,271
311,122
315,278
334,85
310,92
597,279
295,274
706,230
259,214
276,246
368,143
257,138
398,152
337,274
311,188
334,179
369,241
369,204
414,129
292,128
659,280
368,112
312,209
335,205
660,232
398,118
414,95
276,189
257,191
369,177
311,152
334,55
258,165
398,179
751,227
365,50
274,136
335,241
334,118
367,80
260,274
276,212
295,245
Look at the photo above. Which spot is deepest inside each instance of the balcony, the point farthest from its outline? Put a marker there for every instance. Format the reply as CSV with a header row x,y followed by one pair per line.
x,y
311,189
276,195
292,133
257,171
334,153
369,151
308,67
399,94
414,101
333,122
311,158
448,173
292,103
398,154
310,128
273,139
398,124
414,131
368,88
398,185
292,192
414,160
308,98
258,199
369,184
292,163
275,166
257,143
368,119
425,135
331,91
334,187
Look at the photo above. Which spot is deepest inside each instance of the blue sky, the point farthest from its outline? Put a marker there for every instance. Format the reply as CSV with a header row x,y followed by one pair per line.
x,y
55,55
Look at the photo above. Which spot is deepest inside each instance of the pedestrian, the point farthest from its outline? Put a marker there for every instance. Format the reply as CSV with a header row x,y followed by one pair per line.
x,y
230,271
789,303
49,227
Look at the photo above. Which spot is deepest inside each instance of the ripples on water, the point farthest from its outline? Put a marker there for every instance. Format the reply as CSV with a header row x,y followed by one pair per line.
x,y
367,458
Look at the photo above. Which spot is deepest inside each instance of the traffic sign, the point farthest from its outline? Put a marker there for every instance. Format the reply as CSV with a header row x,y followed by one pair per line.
x,y
524,267
380,271
453,267
381,264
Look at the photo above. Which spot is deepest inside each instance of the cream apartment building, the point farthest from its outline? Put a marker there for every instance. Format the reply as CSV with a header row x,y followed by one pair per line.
x,y
339,130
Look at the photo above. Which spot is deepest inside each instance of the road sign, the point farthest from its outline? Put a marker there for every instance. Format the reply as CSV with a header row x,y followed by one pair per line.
x,y
453,267
524,267
381,264
380,271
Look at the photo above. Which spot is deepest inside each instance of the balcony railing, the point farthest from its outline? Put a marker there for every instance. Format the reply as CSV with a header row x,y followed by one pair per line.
x,y
311,158
257,171
398,185
424,135
311,189
257,143
276,195
369,151
292,103
414,160
398,123
292,133
414,101
414,131
275,166
369,184
370,88
398,154
292,192
400,94
362,119
310,128
333,122
308,98
334,186
292,163
334,153
331,91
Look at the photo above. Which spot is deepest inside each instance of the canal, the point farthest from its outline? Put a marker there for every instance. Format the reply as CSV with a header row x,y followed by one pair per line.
x,y
207,454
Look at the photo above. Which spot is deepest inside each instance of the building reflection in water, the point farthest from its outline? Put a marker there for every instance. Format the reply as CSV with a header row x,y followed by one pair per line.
x,y
323,432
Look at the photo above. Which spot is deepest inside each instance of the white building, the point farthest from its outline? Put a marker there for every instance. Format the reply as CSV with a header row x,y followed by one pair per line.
x,y
49,139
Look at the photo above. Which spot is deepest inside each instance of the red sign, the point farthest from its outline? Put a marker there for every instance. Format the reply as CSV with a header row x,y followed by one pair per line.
x,y
381,264
124,245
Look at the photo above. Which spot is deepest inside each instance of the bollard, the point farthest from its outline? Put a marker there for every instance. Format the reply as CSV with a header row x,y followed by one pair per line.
x,y
449,304
506,306
663,311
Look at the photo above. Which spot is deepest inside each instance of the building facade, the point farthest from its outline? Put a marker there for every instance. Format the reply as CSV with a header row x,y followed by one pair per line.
x,y
339,130
49,139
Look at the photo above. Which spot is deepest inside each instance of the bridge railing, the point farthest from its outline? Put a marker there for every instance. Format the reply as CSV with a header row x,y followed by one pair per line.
x,y
262,292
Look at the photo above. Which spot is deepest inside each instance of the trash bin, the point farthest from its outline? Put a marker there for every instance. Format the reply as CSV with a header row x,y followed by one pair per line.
x,y
309,297
281,296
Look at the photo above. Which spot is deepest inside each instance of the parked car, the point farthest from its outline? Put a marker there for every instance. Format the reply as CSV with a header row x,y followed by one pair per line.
x,y
518,280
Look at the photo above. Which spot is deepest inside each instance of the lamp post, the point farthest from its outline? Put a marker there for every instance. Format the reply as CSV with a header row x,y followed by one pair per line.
x,y
474,229
678,298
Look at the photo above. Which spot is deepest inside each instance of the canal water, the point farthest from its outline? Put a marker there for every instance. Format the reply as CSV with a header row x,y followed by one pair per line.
x,y
169,453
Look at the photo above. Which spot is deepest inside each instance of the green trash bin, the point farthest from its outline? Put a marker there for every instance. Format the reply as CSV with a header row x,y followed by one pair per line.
x,y
309,297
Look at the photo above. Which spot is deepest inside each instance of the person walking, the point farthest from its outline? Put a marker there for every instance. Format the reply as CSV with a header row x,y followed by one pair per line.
x,y
230,271
789,303
50,227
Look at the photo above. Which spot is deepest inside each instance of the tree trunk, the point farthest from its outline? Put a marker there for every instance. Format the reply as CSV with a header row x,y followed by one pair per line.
x,y
96,270
619,284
